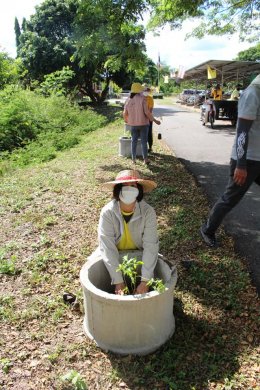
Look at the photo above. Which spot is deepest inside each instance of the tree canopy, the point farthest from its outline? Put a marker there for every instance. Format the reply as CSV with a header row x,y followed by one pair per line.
x,y
103,40
109,41
218,17
100,40
251,54
45,42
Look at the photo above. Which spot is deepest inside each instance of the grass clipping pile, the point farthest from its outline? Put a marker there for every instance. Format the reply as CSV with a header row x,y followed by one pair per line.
x,y
49,216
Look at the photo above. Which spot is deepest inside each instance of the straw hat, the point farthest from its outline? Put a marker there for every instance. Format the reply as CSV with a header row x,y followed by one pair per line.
x,y
136,88
129,176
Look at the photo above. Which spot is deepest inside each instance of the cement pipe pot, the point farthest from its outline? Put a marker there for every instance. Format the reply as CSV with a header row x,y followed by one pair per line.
x,y
129,324
125,147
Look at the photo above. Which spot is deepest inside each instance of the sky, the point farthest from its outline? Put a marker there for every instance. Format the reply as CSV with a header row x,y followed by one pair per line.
x,y
172,47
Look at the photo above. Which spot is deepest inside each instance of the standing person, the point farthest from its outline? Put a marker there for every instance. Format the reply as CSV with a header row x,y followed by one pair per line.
x,y
150,103
244,163
128,223
137,115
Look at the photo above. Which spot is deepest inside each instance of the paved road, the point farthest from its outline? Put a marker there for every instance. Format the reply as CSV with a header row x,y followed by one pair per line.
x,y
206,153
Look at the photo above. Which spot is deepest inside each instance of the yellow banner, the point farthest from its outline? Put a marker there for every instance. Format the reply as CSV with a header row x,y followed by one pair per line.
x,y
212,73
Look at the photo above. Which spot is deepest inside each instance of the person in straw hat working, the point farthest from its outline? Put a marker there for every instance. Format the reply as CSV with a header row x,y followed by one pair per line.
x,y
127,222
138,116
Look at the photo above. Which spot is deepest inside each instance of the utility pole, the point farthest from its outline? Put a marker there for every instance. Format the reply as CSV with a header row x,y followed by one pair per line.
x,y
158,68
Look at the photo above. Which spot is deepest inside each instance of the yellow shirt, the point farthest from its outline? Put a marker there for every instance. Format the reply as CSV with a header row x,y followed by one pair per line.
x,y
150,102
126,241
217,94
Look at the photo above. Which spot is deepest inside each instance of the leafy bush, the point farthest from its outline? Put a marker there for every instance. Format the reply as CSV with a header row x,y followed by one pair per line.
x,y
57,82
16,119
9,69
52,123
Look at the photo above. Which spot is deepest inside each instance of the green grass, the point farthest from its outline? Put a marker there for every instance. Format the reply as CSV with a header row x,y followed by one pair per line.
x,y
49,214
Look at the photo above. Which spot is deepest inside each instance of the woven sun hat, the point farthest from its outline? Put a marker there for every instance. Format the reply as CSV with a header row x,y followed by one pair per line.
x,y
136,88
131,176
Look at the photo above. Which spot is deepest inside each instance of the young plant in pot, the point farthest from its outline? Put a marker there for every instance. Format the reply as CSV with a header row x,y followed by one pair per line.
x,y
129,269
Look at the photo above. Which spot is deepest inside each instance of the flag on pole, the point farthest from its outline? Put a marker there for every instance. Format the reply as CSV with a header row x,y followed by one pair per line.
x,y
159,61
166,79
181,72
212,73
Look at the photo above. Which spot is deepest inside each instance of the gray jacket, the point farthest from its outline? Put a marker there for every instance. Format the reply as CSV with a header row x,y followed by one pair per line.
x,y
143,229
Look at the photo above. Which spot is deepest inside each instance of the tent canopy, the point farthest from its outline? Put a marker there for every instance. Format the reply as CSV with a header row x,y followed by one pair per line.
x,y
236,71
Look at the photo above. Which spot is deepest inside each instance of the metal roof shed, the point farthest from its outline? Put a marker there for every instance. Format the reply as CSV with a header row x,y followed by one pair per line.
x,y
238,71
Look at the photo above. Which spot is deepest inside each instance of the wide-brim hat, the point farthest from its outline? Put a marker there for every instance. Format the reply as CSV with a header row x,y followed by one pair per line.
x,y
137,88
131,176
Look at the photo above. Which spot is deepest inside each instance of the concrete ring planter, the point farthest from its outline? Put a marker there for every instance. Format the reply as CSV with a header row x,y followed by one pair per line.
x,y
125,147
130,324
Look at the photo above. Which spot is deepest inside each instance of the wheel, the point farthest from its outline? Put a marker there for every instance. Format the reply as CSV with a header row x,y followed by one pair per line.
x,y
211,119
203,117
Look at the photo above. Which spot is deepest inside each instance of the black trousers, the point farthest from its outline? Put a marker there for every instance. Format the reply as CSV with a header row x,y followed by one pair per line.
x,y
150,135
232,195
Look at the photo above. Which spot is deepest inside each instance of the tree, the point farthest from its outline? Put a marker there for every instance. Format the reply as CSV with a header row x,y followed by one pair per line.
x,y
109,42
218,17
251,54
149,74
99,40
46,43
17,31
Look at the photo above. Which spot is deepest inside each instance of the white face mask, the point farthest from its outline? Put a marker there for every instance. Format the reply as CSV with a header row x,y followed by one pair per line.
x,y
128,194
145,93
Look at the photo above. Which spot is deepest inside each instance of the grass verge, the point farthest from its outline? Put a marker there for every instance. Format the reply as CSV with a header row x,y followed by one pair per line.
x,y
49,214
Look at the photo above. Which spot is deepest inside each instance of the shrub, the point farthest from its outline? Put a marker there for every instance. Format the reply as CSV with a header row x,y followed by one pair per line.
x,y
27,116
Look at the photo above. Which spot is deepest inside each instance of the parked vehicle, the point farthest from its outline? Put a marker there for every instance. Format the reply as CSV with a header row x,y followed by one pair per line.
x,y
192,96
185,94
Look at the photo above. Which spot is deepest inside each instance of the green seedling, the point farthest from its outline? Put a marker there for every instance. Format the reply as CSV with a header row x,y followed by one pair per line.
x,y
6,365
156,285
75,379
7,266
129,269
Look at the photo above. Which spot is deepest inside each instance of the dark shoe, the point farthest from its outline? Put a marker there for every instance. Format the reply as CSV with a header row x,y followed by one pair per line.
x,y
209,239
69,298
